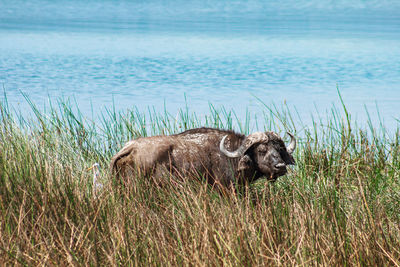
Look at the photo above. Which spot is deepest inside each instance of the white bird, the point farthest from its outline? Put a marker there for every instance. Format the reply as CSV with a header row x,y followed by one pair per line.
x,y
96,186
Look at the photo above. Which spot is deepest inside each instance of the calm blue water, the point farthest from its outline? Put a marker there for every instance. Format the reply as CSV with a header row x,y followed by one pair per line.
x,y
145,53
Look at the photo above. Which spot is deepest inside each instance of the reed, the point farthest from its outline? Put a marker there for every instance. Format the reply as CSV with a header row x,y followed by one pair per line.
x,y
339,205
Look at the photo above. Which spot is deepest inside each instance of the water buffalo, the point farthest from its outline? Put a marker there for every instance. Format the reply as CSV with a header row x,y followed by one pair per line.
x,y
223,157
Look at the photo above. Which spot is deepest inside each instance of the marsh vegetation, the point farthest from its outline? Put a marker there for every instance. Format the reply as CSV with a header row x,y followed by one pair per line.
x,y
339,205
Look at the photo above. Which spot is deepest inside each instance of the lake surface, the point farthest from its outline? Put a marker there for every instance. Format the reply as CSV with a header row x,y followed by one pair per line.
x,y
147,53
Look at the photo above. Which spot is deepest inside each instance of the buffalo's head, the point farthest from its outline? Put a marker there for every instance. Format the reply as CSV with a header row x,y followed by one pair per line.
x,y
263,152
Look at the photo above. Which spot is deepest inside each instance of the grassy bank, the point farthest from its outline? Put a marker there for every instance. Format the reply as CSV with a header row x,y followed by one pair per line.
x,y
340,204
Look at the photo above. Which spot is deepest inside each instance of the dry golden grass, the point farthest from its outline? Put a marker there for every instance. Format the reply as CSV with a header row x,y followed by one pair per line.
x,y
338,206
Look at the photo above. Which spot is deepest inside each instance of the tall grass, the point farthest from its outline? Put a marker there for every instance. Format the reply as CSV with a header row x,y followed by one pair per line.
x,y
339,205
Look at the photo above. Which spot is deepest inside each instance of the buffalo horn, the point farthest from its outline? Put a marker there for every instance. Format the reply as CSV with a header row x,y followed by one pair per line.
x,y
235,154
292,146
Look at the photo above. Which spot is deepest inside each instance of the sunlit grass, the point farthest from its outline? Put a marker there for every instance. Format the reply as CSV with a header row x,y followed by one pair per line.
x,y
339,205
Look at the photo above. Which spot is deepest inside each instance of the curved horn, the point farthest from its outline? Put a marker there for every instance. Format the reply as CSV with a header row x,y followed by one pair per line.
x,y
248,142
235,154
292,146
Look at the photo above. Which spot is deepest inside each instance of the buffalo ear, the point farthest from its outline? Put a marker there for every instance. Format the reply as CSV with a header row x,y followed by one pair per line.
x,y
288,159
245,163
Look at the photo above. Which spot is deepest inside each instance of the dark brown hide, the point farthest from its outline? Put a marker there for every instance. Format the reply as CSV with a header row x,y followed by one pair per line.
x,y
197,151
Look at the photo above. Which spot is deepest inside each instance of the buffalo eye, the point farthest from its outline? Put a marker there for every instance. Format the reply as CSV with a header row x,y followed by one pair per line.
x,y
275,155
